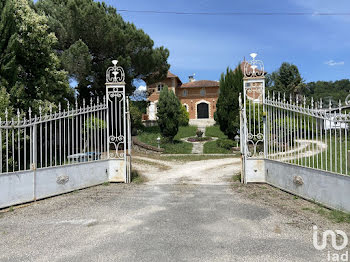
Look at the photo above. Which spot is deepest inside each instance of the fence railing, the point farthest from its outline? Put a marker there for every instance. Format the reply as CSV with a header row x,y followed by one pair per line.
x,y
307,134
75,134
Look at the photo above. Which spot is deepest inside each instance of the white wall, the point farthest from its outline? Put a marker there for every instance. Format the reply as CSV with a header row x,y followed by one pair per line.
x,y
330,189
26,186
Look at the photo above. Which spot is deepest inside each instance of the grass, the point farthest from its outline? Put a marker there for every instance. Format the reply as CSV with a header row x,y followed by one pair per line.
x,y
137,178
211,147
186,131
334,215
149,136
214,131
151,163
333,159
236,178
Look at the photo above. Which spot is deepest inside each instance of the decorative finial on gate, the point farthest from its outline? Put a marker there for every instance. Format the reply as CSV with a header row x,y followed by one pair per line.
x,y
253,68
115,74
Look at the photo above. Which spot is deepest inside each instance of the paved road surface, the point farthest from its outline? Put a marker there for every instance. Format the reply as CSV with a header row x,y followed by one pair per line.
x,y
183,220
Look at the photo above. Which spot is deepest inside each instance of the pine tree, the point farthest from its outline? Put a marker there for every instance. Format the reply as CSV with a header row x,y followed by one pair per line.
x,y
168,113
28,65
227,113
287,79
88,29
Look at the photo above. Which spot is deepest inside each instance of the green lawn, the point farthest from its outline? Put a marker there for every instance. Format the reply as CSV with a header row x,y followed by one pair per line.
x,y
186,131
214,131
333,159
149,136
211,147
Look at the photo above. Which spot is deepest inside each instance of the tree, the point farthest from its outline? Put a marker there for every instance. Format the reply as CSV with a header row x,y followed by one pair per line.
x,y
286,79
227,113
328,91
29,68
184,116
168,113
135,117
94,34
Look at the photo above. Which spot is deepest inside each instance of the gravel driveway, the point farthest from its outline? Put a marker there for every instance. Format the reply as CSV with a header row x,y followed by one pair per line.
x,y
187,211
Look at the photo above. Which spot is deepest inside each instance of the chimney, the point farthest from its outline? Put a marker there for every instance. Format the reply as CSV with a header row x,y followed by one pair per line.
x,y
191,78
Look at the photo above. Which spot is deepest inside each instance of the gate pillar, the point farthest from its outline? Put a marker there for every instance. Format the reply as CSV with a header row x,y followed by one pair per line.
x,y
254,126
118,126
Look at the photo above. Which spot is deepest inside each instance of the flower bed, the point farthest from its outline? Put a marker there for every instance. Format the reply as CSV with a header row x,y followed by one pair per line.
x,y
198,139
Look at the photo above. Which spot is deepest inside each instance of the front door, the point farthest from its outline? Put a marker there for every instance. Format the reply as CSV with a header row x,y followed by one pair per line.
x,y
202,110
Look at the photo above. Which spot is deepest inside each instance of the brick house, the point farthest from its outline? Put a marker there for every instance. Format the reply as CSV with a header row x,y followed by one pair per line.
x,y
199,97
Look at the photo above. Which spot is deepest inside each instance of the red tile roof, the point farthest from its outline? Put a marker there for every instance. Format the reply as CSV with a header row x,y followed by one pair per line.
x,y
201,83
171,75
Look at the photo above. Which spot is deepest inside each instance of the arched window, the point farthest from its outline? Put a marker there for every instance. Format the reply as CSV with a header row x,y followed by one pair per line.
x,y
186,106
160,87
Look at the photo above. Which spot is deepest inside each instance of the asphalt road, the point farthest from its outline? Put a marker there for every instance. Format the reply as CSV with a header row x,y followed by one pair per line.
x,y
179,222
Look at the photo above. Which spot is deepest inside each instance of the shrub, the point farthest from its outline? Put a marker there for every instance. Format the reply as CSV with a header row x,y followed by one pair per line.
x,y
225,143
135,116
184,116
169,111
199,133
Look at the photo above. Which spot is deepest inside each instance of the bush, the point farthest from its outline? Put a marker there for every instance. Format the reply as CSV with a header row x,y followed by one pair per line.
x,y
169,111
199,133
184,116
135,116
225,143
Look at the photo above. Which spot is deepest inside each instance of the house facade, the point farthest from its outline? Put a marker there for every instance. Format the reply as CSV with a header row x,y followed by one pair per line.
x,y
199,97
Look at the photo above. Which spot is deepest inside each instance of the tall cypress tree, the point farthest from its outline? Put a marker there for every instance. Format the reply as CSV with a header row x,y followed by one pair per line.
x,y
28,65
168,113
227,113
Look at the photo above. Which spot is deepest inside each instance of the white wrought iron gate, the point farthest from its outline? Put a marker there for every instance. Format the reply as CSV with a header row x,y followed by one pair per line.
x,y
118,120
294,129
253,124
95,130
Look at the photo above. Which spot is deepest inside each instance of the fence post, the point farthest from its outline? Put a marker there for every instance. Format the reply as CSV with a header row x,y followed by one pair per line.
x,y
34,148
34,157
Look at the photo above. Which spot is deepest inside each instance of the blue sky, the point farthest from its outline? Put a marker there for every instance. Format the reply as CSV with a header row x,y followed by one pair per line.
x,y
206,45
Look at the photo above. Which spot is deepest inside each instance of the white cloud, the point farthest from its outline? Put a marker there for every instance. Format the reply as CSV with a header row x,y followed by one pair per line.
x,y
142,88
334,63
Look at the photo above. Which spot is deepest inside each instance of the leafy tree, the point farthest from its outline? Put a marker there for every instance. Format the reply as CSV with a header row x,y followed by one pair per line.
x,y
91,34
135,117
29,68
328,91
227,113
169,111
184,116
286,79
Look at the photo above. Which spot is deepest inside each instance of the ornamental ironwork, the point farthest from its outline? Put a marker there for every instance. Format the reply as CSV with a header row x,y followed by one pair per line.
x,y
115,74
254,68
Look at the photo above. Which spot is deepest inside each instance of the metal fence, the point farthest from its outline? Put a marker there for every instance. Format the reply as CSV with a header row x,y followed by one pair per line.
x,y
306,134
297,130
97,130
58,138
